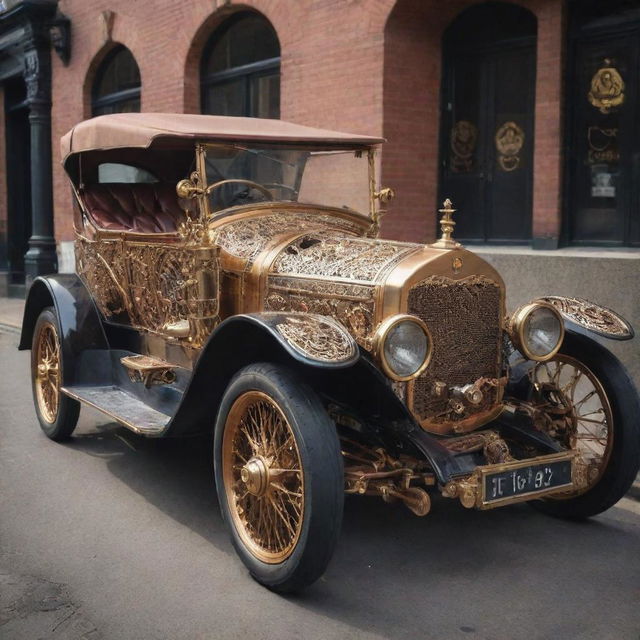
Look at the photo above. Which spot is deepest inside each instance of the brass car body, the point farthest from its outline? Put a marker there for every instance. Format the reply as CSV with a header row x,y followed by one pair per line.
x,y
181,308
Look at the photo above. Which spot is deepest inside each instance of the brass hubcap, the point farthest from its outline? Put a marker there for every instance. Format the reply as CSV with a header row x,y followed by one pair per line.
x,y
47,372
263,477
256,477
578,409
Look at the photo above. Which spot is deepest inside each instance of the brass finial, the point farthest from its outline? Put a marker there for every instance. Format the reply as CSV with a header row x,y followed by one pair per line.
x,y
447,224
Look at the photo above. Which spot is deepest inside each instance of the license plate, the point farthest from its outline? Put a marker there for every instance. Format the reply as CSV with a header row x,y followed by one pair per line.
x,y
525,480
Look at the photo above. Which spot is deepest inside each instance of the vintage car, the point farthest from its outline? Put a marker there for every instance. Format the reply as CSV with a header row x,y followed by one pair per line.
x,y
230,281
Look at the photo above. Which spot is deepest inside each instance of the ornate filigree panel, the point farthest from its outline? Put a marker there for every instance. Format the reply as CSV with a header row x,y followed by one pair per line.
x,y
334,255
592,316
158,285
317,338
247,237
350,304
101,266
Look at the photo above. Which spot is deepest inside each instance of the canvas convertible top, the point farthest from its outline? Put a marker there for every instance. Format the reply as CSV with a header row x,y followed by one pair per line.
x,y
142,130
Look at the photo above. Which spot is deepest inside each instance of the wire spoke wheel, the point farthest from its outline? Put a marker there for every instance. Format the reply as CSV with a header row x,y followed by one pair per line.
x,y
581,417
263,477
47,372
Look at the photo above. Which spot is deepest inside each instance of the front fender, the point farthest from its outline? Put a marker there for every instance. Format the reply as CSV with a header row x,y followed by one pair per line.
x,y
80,324
290,339
584,316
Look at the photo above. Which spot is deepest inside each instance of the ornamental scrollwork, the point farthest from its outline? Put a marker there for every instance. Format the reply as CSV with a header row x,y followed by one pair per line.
x,y
592,316
319,339
334,255
351,305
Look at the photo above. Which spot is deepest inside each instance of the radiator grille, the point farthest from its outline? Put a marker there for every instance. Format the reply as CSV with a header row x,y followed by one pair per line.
x,y
464,319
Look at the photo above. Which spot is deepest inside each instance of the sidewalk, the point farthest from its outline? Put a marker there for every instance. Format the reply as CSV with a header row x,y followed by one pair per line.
x,y
11,310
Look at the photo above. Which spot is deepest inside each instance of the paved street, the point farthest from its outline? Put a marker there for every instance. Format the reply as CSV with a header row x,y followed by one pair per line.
x,y
113,536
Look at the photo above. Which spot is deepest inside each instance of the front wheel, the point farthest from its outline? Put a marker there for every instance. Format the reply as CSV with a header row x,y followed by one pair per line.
x,y
592,407
279,476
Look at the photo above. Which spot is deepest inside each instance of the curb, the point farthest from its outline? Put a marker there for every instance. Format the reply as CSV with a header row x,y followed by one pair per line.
x,y
634,491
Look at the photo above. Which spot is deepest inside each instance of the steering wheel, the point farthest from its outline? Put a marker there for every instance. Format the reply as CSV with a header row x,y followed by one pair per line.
x,y
254,185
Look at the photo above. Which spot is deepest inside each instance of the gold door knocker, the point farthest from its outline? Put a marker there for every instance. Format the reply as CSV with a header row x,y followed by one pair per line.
x,y
509,142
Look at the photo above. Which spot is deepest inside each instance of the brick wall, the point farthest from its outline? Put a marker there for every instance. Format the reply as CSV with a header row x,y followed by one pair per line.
x,y
367,66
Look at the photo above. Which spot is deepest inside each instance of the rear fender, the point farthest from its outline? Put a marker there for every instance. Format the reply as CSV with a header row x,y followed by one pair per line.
x,y
80,323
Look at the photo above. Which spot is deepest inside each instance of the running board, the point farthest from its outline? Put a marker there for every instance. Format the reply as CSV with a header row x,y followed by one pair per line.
x,y
132,413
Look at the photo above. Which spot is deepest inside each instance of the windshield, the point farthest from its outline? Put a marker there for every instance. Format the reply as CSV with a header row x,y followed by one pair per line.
x,y
329,178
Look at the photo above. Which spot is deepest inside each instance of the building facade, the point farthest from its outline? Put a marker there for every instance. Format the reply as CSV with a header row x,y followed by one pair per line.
x,y
523,112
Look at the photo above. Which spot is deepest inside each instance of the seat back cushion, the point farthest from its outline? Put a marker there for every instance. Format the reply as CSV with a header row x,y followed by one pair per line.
x,y
146,208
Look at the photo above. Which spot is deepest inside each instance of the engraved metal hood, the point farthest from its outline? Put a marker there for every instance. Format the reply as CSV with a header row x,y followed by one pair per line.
x,y
321,261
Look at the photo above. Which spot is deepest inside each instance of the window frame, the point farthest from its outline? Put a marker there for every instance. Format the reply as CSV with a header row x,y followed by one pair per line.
x,y
248,73
117,97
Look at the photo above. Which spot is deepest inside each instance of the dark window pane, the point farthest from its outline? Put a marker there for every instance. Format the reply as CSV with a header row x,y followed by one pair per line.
x,y
265,96
226,99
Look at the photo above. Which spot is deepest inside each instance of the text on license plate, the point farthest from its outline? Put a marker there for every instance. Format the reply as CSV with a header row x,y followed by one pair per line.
x,y
522,480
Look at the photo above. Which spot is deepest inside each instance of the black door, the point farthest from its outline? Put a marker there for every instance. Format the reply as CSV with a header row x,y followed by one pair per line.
x,y
18,163
487,123
603,197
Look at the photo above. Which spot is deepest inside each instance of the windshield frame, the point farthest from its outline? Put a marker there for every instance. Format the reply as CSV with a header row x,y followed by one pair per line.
x,y
201,159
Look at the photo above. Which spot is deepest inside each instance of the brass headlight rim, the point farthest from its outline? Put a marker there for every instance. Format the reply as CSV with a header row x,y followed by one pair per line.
x,y
517,325
380,337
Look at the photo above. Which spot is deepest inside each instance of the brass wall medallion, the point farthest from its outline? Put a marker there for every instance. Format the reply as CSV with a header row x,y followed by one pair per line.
x,y
607,88
464,136
509,142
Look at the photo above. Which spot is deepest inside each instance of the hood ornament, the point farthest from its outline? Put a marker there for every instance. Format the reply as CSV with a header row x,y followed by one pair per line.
x,y
447,225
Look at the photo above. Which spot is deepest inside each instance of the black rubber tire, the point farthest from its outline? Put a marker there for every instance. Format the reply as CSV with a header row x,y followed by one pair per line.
x,y
68,408
624,460
321,461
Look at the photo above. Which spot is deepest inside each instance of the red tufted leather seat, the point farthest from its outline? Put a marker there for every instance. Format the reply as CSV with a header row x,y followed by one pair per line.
x,y
147,208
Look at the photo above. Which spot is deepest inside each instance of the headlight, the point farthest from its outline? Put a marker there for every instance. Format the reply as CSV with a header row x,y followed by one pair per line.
x,y
537,331
403,346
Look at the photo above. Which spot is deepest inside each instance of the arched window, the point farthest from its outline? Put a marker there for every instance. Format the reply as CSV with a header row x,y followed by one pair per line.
x,y
240,72
116,88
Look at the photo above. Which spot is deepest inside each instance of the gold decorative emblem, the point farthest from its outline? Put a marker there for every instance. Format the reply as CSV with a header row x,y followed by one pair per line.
x,y
509,142
607,88
592,316
456,265
320,339
464,136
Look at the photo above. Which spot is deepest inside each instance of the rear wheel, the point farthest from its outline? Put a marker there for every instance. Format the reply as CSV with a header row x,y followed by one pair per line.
x,y
57,413
279,477
592,407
